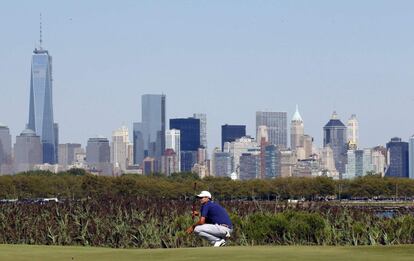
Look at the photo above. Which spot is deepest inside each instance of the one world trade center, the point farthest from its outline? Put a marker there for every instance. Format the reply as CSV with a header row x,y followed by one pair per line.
x,y
41,106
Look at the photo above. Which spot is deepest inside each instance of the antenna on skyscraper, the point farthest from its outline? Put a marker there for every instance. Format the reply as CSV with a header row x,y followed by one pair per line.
x,y
40,31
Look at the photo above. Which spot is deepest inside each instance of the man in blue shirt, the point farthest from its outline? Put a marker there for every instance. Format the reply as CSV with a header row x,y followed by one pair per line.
x,y
214,224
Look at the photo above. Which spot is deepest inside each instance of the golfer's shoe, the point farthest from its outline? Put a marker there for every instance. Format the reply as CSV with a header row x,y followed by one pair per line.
x,y
220,243
227,234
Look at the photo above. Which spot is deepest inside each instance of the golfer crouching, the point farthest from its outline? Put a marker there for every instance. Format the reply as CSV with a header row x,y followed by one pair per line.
x,y
214,223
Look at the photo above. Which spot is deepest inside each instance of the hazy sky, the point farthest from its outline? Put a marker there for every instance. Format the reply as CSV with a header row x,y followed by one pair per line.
x,y
224,58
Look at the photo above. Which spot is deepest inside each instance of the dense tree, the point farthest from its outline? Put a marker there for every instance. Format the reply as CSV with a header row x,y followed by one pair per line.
x,y
181,186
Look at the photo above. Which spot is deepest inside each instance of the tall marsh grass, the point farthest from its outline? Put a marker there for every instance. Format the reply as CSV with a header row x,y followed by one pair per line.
x,y
144,223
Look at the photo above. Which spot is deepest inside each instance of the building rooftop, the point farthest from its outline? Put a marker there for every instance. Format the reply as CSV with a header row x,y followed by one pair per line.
x,y
28,132
296,116
334,121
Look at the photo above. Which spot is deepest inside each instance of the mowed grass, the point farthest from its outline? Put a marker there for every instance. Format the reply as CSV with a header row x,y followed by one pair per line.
x,y
286,253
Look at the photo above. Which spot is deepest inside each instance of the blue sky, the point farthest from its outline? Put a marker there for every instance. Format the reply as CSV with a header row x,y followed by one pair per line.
x,y
224,58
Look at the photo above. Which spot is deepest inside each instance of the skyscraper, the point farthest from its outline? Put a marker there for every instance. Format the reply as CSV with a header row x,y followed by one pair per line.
x,y
56,133
411,157
5,150
230,133
120,148
153,121
28,151
263,140
189,140
276,123
189,133
353,132
397,158
149,134
378,162
41,105
67,153
169,162
327,161
172,141
98,155
238,147
354,167
288,161
203,128
334,136
221,164
149,166
272,159
296,131
138,140
307,145
249,166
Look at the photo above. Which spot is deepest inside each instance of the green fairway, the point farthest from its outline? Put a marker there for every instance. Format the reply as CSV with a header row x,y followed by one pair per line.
x,y
286,253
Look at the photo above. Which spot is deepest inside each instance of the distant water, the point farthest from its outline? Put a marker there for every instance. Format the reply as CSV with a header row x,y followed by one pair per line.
x,y
386,214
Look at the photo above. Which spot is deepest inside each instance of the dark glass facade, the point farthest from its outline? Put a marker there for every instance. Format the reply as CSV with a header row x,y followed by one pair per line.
x,y
272,162
398,158
41,105
334,136
149,135
188,159
359,163
189,140
189,131
230,133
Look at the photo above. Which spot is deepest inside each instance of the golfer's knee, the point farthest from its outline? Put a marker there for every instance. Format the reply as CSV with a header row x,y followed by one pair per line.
x,y
198,229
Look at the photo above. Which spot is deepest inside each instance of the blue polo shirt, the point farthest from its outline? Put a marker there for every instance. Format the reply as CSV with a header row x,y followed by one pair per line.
x,y
215,214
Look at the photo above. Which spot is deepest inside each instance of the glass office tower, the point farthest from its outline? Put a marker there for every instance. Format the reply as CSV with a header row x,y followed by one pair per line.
x,y
276,123
334,136
230,133
41,105
398,158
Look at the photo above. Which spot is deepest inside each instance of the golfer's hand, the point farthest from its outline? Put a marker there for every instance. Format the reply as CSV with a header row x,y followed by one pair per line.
x,y
189,230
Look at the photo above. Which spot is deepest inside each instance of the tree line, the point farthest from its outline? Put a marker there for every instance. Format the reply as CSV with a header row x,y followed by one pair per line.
x,y
77,184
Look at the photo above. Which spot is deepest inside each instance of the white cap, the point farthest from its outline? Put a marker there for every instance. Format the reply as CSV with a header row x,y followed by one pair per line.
x,y
204,194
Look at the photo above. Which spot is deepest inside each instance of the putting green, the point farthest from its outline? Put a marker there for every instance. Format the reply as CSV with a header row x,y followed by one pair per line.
x,y
285,253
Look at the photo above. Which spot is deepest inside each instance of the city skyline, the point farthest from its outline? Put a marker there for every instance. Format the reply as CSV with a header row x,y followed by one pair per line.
x,y
372,67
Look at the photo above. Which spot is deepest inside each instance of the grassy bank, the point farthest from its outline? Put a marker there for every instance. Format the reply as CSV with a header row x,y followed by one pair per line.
x,y
286,253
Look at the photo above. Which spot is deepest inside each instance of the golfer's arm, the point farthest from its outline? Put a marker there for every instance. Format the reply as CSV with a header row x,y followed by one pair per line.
x,y
201,221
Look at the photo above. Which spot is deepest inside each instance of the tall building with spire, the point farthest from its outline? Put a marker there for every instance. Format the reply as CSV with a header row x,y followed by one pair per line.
x,y
296,130
41,101
334,136
353,132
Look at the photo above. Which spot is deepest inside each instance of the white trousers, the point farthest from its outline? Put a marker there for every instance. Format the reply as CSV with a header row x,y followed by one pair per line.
x,y
212,233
